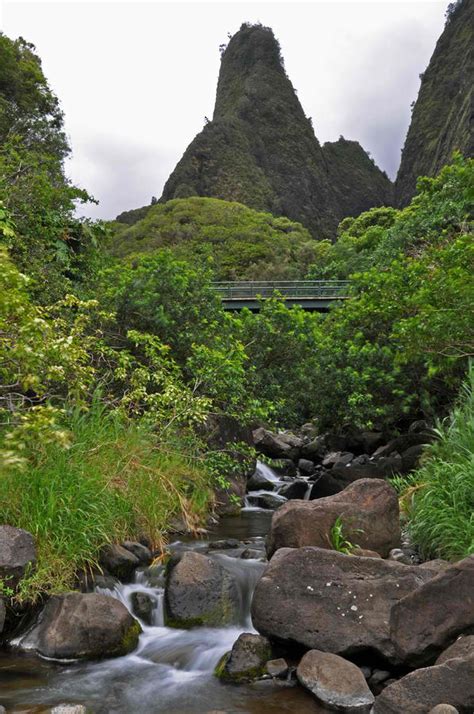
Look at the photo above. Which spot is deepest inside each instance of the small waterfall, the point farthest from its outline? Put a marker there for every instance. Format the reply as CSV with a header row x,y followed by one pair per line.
x,y
267,472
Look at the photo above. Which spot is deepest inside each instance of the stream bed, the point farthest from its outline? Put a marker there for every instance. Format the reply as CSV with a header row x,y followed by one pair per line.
x,y
171,670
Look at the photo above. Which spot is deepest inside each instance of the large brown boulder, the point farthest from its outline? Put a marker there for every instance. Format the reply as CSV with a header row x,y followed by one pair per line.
x,y
335,682
17,554
337,603
83,626
368,510
425,622
200,592
416,693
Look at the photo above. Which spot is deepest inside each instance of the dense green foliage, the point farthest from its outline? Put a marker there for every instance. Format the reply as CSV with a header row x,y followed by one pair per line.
x,y
260,148
49,244
439,497
235,241
399,347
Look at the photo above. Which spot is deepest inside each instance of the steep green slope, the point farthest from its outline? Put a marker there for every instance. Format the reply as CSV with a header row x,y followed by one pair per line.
x,y
236,241
357,182
260,148
441,120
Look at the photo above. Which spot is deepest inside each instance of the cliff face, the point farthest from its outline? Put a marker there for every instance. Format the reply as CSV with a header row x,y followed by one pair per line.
x,y
260,148
442,115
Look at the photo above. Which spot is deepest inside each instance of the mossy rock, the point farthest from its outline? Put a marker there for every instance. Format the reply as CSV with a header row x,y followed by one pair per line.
x,y
246,661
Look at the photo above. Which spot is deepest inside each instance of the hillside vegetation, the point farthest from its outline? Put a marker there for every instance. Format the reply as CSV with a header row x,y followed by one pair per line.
x,y
235,241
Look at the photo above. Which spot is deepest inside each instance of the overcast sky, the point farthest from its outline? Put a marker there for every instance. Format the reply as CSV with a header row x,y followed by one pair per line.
x,y
136,79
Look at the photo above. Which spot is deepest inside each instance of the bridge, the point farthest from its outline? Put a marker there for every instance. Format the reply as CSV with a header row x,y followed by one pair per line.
x,y
309,294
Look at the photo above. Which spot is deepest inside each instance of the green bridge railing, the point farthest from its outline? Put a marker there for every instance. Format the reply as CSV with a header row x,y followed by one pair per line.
x,y
295,290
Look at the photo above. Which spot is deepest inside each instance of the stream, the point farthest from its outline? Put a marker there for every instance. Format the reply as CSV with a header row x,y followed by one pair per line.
x,y
172,669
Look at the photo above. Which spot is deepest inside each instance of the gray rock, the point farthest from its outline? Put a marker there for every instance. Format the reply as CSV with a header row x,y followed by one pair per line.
x,y
295,489
68,709
411,457
306,466
83,626
105,582
444,709
199,592
378,676
227,544
368,510
251,554
246,661
371,440
436,564
326,485
315,449
322,599
269,501
463,647
418,692
309,430
277,446
139,550
277,668
404,442
17,554
380,468
401,557
143,606
118,561
418,426
335,682
425,622
342,458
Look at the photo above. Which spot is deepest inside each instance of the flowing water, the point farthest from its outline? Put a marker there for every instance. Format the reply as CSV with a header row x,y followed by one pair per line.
x,y
171,671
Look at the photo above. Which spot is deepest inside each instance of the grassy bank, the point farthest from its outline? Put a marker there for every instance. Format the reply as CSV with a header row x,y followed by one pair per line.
x,y
112,483
439,498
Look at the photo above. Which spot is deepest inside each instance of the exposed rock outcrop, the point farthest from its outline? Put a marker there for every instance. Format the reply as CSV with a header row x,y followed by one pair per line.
x,y
442,116
337,603
260,148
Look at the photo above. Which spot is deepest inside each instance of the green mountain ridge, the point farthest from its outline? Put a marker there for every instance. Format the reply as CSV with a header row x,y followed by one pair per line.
x,y
442,115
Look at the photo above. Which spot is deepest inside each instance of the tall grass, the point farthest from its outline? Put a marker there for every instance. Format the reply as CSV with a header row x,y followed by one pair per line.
x,y
439,497
112,483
